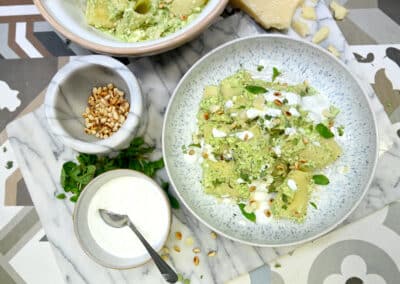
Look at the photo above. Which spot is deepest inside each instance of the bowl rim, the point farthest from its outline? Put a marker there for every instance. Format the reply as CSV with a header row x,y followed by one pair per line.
x,y
150,49
131,123
132,173
311,45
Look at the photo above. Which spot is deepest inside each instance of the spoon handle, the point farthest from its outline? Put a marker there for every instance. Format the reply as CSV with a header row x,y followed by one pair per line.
x,y
166,271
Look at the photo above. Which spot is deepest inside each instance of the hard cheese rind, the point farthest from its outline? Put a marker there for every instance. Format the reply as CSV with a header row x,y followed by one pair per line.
x,y
269,13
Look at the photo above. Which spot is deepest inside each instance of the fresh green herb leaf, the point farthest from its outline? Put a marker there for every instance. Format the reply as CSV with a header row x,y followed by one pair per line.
x,y
9,165
74,198
195,145
324,131
172,200
245,177
285,198
275,73
75,176
250,216
340,130
217,182
313,205
284,206
242,107
277,265
4,149
61,196
255,89
267,117
285,101
320,179
260,68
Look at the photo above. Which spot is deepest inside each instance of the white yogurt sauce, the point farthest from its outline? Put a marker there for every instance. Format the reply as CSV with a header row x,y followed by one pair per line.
x,y
315,104
145,206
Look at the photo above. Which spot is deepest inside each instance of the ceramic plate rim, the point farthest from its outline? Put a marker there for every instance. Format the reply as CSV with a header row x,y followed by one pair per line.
x,y
128,172
353,77
178,38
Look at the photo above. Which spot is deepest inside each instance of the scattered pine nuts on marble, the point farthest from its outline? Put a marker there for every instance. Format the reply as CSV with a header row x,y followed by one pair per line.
x,y
107,110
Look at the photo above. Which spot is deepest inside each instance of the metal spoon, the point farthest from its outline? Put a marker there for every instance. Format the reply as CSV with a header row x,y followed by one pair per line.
x,y
119,221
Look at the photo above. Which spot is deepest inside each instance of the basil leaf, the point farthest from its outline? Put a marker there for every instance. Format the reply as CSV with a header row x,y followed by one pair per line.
x,y
320,179
340,130
313,205
255,89
324,131
250,216
260,68
61,196
275,73
195,145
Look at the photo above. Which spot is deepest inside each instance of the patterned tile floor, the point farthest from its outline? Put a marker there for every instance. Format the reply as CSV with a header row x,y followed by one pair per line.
x,y
372,29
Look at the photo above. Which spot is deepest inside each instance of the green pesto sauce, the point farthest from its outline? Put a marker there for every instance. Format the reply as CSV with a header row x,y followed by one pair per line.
x,y
270,153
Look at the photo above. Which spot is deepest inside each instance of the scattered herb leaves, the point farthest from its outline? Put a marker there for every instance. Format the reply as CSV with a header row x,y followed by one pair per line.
x,y
267,117
195,145
61,196
313,205
249,216
75,176
285,198
255,89
245,177
275,73
340,130
9,165
320,179
4,149
172,200
260,68
324,131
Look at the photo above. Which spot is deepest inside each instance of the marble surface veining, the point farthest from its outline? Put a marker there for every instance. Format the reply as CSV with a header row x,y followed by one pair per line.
x,y
40,157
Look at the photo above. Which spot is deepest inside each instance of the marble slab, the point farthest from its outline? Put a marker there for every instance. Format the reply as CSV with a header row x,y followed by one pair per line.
x,y
40,157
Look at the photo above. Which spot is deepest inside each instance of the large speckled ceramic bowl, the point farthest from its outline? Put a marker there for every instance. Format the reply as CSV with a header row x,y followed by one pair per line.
x,y
68,18
299,61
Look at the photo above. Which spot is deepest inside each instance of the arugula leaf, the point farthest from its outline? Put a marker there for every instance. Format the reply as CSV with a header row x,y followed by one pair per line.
x,y
313,205
255,89
250,216
275,73
324,131
320,179
260,68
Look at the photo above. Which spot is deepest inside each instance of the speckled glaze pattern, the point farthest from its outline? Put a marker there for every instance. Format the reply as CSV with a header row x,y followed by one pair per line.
x,y
299,61
67,95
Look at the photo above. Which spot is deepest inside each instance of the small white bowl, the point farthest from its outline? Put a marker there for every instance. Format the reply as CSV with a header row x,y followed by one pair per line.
x,y
85,238
67,95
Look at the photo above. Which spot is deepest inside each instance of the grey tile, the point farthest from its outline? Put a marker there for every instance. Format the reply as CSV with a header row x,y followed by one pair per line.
x,y
376,24
354,34
29,77
391,8
23,196
358,4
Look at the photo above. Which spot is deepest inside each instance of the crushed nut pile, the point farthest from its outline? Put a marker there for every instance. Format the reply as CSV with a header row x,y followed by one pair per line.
x,y
107,110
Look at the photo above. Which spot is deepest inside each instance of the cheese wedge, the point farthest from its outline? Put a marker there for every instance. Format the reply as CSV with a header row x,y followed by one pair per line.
x,y
301,28
308,12
339,12
321,35
269,13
